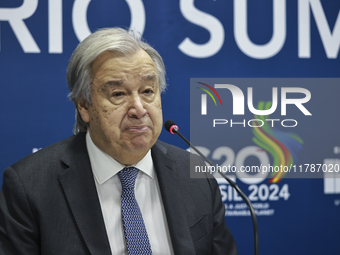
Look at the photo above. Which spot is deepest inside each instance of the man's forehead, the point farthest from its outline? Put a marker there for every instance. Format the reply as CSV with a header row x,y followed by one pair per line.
x,y
149,76
111,54
140,64
121,80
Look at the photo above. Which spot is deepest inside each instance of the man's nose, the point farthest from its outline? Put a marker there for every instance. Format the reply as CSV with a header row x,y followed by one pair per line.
x,y
136,107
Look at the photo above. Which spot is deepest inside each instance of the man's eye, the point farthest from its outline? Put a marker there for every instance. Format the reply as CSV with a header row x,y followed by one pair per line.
x,y
117,94
148,91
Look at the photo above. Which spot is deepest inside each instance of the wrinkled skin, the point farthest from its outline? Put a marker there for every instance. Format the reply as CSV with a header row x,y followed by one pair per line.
x,y
125,116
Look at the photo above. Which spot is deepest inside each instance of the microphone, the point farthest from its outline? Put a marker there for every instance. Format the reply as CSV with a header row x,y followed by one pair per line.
x,y
171,126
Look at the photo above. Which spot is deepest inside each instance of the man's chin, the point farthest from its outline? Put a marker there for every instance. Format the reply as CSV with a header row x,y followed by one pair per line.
x,y
140,143
141,146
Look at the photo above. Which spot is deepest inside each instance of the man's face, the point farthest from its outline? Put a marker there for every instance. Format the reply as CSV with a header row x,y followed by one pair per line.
x,y
125,116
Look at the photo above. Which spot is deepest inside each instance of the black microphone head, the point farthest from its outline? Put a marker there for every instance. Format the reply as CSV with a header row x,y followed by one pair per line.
x,y
168,124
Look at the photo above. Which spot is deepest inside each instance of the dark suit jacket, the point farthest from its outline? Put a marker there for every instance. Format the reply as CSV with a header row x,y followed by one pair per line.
x,y
49,204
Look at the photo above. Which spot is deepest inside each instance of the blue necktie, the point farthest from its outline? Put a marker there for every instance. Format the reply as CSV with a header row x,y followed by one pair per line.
x,y
136,237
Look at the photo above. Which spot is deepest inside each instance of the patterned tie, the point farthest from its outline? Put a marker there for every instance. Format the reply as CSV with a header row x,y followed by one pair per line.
x,y
136,237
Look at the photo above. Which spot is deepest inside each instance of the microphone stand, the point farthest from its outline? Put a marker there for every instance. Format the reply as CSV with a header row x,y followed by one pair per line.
x,y
234,185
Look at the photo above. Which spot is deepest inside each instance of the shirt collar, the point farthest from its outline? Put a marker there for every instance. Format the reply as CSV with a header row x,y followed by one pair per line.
x,y
104,166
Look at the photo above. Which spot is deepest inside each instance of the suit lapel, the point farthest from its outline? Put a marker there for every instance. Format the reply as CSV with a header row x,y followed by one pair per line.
x,y
170,185
80,191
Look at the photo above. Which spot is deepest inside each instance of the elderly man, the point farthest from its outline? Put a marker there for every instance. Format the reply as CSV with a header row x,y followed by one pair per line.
x,y
112,188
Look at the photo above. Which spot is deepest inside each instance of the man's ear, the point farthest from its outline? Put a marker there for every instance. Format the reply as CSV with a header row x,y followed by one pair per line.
x,y
83,110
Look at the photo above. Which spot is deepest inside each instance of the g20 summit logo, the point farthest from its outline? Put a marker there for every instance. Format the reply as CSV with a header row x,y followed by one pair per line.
x,y
282,146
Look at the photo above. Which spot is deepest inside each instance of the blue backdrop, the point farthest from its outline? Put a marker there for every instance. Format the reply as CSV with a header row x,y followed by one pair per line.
x,y
197,39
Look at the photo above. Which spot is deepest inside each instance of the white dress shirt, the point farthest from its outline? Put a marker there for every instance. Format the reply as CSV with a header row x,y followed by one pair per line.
x,y
147,193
